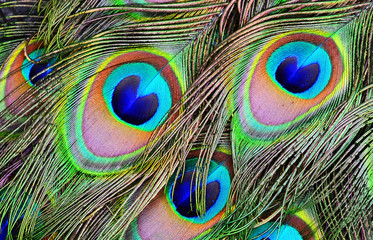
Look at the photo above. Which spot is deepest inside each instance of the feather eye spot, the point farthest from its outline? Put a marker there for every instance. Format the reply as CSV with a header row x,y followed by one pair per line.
x,y
110,123
39,71
297,69
300,226
131,107
34,73
172,214
283,233
293,77
296,79
184,197
21,77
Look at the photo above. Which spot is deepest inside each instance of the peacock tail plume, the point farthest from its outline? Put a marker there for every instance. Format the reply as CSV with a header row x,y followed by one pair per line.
x,y
182,119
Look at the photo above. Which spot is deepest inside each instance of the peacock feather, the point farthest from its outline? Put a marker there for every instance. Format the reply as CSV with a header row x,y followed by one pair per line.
x,y
181,119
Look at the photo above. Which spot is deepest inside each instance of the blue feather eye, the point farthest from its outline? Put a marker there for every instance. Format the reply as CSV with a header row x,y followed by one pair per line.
x,y
173,213
300,226
184,198
181,194
38,72
296,80
20,77
285,232
35,72
138,95
304,72
110,122
292,78
131,108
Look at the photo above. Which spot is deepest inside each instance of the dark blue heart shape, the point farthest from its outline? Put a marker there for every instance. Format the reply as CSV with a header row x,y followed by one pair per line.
x,y
184,196
35,70
294,79
128,106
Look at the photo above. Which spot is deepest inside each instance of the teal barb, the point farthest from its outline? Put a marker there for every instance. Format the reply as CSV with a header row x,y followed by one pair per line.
x,y
183,119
